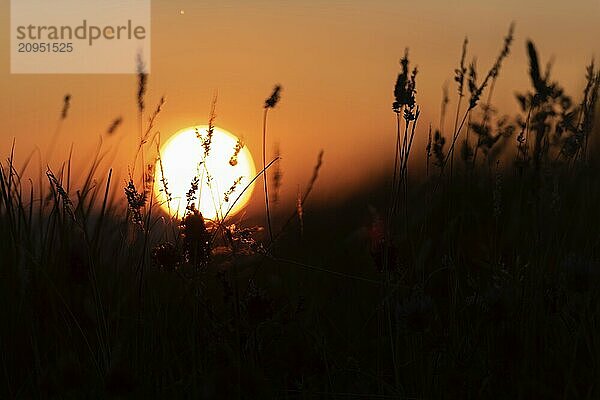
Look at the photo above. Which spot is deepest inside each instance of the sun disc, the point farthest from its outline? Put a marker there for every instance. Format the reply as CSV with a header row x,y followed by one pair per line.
x,y
222,169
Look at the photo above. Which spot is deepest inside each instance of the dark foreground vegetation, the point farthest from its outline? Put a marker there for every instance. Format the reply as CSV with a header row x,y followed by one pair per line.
x,y
479,280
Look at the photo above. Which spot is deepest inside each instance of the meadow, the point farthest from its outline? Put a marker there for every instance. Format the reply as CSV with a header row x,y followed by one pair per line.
x,y
476,277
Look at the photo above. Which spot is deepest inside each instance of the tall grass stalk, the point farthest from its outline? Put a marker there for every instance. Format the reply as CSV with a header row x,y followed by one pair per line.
x,y
63,116
475,89
404,106
459,78
270,103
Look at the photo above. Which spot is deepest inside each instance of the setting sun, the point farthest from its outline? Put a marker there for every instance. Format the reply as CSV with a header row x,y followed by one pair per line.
x,y
222,165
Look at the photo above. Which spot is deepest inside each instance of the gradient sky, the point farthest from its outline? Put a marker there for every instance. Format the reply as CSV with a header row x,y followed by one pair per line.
x,y
337,62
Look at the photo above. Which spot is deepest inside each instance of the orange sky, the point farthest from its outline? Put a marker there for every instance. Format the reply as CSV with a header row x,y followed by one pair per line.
x,y
337,62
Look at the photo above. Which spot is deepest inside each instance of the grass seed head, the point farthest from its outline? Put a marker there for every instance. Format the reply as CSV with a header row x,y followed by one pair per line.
x,y
405,88
66,106
229,192
136,201
233,161
114,125
142,82
272,100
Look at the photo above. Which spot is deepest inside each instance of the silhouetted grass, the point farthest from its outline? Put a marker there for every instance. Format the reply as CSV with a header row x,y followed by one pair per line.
x,y
486,286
